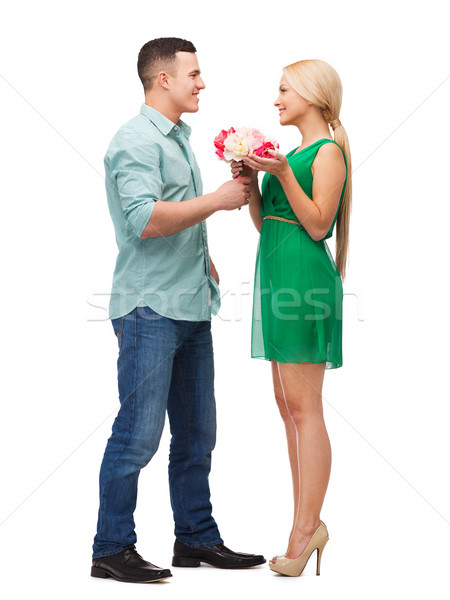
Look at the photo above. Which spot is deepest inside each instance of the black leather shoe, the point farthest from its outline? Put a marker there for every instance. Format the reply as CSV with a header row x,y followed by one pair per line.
x,y
217,556
128,566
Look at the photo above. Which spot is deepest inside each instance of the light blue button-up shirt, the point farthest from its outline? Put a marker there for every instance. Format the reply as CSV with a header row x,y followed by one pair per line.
x,y
150,159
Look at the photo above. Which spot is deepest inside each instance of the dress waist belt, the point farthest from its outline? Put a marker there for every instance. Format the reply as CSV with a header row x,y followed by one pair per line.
x,y
281,219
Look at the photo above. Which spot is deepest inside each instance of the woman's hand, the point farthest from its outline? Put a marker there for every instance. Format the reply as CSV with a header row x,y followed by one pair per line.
x,y
278,165
237,170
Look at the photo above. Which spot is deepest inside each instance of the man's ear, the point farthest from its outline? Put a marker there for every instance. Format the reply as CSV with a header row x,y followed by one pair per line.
x,y
163,80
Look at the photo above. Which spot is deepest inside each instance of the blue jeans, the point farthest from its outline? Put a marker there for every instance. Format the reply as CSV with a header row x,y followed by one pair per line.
x,y
163,364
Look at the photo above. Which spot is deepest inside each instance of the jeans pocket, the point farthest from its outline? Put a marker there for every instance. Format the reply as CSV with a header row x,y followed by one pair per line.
x,y
118,329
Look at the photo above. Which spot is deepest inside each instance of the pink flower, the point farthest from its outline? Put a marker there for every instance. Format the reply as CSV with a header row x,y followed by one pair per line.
x,y
254,138
219,141
262,151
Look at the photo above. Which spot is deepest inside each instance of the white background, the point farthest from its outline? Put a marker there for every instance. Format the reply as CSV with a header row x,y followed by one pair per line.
x,y
68,81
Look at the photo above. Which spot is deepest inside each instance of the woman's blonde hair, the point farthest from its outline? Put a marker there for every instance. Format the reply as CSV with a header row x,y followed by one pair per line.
x,y
317,82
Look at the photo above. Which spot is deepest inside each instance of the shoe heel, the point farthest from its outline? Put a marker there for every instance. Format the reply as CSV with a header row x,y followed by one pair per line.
x,y
179,561
96,572
319,556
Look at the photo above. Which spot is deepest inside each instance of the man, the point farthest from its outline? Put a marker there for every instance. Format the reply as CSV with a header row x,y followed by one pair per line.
x,y
165,288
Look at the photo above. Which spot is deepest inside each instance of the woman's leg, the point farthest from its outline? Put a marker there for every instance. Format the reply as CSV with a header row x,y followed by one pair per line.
x,y
291,435
302,389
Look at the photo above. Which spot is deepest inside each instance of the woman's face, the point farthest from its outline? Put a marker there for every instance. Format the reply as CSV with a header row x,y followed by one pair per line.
x,y
291,105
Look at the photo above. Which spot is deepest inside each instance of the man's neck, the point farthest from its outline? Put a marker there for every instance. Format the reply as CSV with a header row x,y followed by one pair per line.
x,y
163,108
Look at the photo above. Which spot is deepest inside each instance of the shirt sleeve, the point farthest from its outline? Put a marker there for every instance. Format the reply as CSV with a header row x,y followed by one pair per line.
x,y
135,172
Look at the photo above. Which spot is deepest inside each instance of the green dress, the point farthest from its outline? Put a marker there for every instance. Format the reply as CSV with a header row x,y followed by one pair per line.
x,y
297,302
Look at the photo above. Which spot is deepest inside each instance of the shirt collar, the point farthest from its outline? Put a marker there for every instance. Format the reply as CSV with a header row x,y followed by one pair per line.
x,y
164,124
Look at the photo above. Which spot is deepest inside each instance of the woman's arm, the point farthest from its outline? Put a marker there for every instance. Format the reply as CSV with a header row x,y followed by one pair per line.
x,y
329,173
255,200
254,205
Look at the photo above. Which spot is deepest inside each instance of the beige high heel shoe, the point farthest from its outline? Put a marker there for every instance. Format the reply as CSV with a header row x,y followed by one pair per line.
x,y
293,567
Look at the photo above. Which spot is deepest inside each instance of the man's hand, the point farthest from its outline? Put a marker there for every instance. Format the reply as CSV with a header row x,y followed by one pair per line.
x,y
214,272
234,194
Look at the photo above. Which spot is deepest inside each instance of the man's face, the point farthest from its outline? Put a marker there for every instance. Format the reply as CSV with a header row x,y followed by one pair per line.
x,y
185,82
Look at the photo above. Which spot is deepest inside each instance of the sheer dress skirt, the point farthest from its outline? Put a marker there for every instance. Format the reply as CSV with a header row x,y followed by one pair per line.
x,y
297,302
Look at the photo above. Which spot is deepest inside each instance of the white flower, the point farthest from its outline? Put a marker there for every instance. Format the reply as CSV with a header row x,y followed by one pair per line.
x,y
235,147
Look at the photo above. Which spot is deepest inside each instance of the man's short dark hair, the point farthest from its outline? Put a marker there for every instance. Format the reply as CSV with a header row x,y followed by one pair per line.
x,y
157,55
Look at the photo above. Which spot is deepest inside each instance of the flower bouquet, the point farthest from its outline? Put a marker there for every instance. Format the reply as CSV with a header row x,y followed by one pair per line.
x,y
234,144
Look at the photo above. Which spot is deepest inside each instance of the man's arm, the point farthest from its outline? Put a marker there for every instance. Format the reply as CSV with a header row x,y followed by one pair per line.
x,y
168,218
135,172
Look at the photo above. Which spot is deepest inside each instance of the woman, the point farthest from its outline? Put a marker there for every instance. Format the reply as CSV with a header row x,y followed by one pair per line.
x,y
297,312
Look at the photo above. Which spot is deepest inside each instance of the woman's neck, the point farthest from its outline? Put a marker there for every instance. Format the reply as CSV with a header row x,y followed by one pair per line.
x,y
312,128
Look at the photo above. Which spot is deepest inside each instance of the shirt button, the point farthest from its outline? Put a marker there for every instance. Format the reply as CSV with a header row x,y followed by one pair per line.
x,y
176,128
181,144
